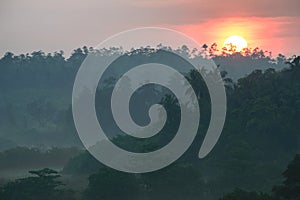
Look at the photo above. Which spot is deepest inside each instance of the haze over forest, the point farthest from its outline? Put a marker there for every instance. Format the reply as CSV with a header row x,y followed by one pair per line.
x,y
259,140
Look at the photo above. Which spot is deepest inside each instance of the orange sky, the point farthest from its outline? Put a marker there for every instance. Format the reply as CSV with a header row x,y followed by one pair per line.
x,y
264,33
54,25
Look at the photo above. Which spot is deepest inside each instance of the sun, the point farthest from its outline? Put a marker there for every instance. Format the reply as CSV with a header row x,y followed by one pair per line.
x,y
236,42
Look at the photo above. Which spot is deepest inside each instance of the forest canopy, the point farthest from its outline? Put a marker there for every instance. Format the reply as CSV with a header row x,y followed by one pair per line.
x,y
261,133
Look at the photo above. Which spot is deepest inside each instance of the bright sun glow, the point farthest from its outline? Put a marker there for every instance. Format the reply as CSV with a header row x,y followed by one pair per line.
x,y
237,41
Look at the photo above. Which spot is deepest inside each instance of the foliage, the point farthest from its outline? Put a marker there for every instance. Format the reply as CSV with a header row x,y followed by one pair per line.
x,y
239,194
83,163
290,189
179,181
109,184
43,186
261,132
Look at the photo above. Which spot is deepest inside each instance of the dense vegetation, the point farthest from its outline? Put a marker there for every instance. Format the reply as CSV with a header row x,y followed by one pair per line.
x,y
36,91
261,133
44,185
177,182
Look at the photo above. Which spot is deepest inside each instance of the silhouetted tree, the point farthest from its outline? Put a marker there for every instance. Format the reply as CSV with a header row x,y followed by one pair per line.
x,y
178,181
109,184
239,194
43,186
290,189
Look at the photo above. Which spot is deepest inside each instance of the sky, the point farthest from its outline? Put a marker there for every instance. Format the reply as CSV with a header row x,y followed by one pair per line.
x,y
53,25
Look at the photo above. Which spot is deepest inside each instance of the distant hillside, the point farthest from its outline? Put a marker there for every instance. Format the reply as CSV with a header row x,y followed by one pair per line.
x,y
36,88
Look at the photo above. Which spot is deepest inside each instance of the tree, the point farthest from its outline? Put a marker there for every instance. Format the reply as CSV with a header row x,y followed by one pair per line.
x,y
178,181
239,194
291,186
295,64
42,186
109,184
